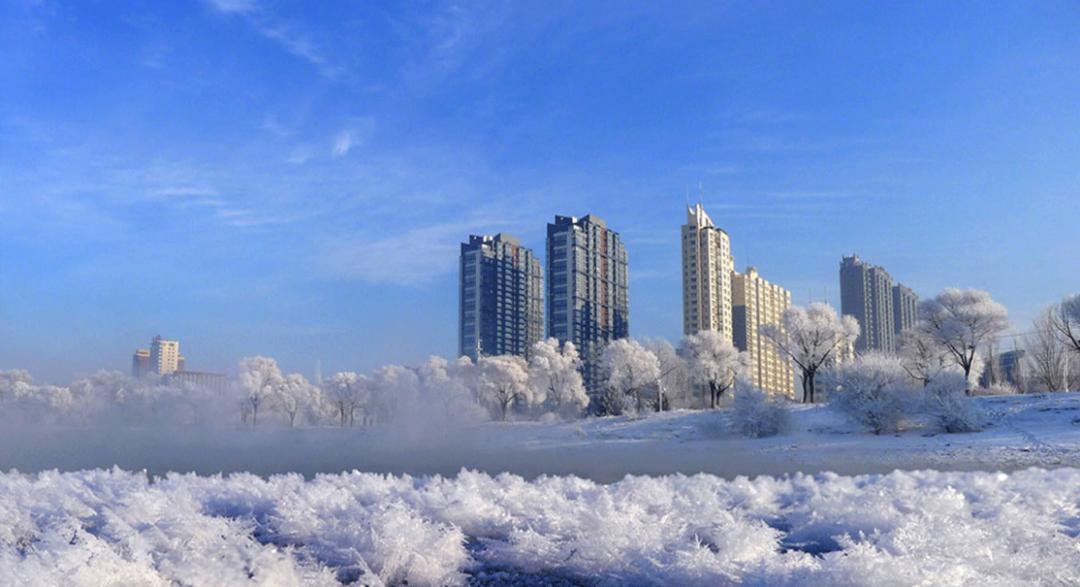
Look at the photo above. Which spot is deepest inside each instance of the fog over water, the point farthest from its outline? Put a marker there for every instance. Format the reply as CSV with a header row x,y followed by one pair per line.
x,y
110,420
492,449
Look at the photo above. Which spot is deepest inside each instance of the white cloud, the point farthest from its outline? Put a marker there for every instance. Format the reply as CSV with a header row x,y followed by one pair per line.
x,y
232,6
300,155
285,34
410,258
183,192
343,142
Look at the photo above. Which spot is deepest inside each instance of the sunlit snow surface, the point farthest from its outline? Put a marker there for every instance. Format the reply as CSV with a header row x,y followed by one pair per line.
x,y
919,527
905,528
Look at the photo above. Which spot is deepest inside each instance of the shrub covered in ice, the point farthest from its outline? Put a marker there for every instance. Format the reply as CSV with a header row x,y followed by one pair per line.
x,y
757,414
873,390
905,528
945,401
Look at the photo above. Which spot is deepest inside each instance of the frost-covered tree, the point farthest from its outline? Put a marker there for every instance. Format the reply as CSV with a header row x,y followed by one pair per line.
x,y
117,397
963,321
396,390
631,369
347,392
14,383
259,377
812,337
872,390
1047,354
503,382
554,370
294,395
21,397
715,363
1066,321
673,387
436,382
449,387
923,358
463,371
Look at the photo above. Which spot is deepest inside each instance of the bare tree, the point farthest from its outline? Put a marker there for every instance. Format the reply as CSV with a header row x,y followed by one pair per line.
x,y
812,337
992,371
963,321
1047,353
1065,318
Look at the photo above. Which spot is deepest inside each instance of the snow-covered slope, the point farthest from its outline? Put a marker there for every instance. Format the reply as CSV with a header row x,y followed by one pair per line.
x,y
906,528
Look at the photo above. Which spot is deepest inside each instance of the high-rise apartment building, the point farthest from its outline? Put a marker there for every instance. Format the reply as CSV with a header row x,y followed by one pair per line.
x,y
905,309
707,267
756,303
501,297
866,292
588,299
140,363
214,381
165,356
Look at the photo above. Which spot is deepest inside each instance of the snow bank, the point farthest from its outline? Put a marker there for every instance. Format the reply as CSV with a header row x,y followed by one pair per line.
x,y
114,527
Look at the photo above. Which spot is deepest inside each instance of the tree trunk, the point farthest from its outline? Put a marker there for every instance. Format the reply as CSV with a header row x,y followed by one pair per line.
x,y
967,377
808,387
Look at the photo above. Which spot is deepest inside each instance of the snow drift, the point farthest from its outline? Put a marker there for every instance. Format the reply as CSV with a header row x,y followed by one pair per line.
x,y
115,527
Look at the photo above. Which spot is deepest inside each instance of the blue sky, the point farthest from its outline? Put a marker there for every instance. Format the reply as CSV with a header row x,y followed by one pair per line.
x,y
293,179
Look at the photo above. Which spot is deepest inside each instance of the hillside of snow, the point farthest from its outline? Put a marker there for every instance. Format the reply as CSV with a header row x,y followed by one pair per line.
x,y
1023,431
113,527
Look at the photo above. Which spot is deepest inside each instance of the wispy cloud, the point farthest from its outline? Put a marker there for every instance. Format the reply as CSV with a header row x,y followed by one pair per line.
x,y
233,6
300,155
343,143
284,33
182,192
413,257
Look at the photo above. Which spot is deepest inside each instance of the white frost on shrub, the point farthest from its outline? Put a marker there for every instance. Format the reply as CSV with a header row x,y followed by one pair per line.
x,y
757,414
904,528
872,390
945,401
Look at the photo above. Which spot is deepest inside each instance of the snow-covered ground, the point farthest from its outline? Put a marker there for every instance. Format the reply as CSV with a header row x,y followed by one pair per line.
x,y
1025,431
581,509
906,528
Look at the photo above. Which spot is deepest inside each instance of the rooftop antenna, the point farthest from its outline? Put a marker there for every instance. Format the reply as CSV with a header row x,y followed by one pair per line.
x,y
687,186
